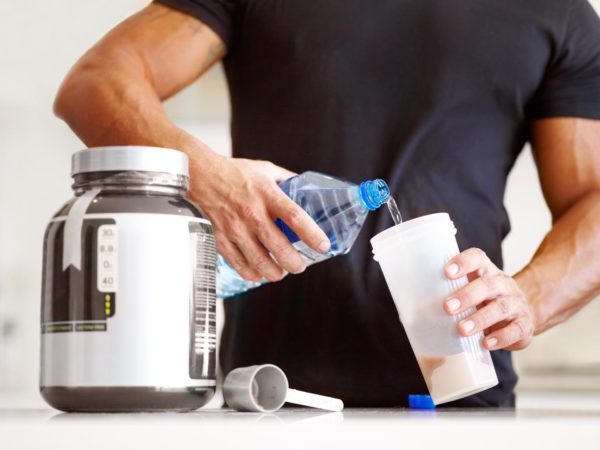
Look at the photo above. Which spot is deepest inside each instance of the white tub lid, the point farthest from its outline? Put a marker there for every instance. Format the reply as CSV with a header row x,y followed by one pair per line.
x,y
136,158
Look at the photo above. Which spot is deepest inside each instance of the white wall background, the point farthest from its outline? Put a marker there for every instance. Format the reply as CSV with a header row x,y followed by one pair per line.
x,y
39,41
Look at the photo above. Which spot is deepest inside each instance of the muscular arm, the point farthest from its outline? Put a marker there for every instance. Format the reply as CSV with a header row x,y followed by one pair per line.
x,y
564,274
113,95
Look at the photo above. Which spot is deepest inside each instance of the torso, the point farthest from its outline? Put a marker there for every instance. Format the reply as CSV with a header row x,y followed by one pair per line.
x,y
431,96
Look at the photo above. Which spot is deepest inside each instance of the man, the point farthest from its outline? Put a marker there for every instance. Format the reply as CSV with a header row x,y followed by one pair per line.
x,y
436,97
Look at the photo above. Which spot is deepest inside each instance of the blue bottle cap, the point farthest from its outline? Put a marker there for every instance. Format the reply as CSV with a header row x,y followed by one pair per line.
x,y
420,402
374,193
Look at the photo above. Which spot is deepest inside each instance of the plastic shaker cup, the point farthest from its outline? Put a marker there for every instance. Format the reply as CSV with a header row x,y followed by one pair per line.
x,y
412,256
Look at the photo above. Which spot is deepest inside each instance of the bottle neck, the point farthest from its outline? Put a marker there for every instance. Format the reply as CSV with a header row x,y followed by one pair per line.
x,y
373,193
158,183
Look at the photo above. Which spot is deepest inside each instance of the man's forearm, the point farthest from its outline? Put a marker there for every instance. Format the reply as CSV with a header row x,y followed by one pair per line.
x,y
120,107
109,107
564,274
113,95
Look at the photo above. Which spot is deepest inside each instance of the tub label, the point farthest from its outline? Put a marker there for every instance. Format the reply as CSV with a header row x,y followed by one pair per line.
x,y
203,335
107,251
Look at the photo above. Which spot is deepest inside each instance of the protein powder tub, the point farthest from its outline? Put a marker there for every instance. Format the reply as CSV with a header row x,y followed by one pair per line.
x,y
128,290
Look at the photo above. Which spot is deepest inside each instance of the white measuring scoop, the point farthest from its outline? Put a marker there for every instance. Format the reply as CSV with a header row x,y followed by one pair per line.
x,y
265,388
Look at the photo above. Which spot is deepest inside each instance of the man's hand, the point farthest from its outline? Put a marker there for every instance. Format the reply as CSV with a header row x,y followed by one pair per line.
x,y
503,312
562,277
146,59
242,200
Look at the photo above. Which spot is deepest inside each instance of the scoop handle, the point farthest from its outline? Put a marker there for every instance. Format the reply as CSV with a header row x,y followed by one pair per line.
x,y
314,400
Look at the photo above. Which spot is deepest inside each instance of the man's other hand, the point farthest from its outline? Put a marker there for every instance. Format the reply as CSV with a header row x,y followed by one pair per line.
x,y
503,312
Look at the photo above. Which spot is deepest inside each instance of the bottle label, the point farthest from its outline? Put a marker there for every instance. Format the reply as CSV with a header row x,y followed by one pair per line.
x,y
310,256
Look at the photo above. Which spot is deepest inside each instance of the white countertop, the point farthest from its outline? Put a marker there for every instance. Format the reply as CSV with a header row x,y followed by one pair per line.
x,y
541,421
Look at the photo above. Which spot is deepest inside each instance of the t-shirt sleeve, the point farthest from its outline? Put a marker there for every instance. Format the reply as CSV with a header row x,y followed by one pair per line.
x,y
571,87
216,14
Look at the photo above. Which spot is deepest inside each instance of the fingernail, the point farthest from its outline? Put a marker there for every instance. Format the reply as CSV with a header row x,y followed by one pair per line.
x,y
468,326
452,269
453,304
324,246
491,342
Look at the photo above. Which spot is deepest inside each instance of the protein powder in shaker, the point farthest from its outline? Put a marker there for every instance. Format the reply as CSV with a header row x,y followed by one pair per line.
x,y
128,290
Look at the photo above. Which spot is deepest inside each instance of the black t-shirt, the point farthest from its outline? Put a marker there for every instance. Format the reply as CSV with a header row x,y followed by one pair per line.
x,y
435,97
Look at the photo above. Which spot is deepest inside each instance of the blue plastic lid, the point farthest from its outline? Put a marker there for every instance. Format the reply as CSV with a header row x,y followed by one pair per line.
x,y
420,402
374,193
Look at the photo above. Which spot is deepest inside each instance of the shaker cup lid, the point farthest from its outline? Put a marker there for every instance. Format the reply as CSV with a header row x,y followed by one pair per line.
x,y
420,402
134,158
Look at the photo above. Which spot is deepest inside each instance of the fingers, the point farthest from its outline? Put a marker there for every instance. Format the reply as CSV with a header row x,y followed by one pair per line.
x,y
496,311
251,257
515,336
279,246
477,291
235,259
469,261
300,222
501,306
258,222
509,318
258,258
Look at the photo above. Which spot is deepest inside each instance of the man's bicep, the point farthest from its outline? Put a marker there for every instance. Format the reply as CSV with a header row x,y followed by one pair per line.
x,y
170,47
567,153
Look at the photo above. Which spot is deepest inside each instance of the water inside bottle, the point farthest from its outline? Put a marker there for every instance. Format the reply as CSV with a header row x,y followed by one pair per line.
x,y
394,211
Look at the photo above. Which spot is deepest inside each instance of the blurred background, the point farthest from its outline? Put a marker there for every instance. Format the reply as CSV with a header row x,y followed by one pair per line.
x,y
39,42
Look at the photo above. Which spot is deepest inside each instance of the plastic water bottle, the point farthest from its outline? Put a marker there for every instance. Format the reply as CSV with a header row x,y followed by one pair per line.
x,y
339,208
